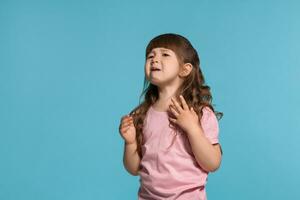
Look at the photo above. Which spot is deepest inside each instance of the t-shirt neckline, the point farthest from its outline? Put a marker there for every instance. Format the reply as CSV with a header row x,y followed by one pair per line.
x,y
158,112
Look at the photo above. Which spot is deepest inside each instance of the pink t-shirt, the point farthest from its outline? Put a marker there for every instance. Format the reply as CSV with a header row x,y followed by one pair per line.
x,y
172,173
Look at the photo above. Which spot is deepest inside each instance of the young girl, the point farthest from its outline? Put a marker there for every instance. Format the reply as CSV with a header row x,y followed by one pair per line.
x,y
171,138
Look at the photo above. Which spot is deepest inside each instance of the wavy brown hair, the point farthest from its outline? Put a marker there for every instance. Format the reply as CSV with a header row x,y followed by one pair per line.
x,y
194,90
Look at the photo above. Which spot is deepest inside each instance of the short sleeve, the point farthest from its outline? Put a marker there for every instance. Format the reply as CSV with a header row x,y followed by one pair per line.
x,y
210,125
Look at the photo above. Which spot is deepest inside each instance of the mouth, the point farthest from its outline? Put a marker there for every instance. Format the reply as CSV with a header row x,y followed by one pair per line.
x,y
154,69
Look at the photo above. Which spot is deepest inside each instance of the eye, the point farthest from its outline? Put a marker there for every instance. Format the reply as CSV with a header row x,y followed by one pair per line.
x,y
165,54
149,57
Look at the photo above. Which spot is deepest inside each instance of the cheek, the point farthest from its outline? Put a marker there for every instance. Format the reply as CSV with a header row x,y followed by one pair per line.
x,y
146,67
147,71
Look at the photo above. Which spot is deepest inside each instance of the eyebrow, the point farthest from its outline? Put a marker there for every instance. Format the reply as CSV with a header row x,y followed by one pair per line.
x,y
160,50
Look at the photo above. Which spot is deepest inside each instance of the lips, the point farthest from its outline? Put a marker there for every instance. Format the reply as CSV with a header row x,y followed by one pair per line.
x,y
154,69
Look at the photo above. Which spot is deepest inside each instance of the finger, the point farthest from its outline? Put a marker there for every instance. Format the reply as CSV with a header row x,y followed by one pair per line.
x,y
124,124
194,112
174,111
174,106
127,119
124,118
172,120
178,107
183,102
127,123
124,130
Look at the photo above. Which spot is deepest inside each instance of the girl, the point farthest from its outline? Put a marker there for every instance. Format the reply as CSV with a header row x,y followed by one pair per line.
x,y
171,138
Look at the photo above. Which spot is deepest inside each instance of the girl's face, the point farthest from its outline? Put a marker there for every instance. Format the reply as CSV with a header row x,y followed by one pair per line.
x,y
162,67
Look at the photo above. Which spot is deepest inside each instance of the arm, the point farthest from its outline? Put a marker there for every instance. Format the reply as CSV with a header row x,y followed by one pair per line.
x,y
207,155
131,159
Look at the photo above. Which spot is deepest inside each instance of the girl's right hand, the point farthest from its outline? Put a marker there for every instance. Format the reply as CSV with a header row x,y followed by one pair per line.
x,y
127,129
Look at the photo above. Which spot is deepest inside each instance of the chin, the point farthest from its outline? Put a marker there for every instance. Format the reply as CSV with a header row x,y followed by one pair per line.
x,y
158,84
154,81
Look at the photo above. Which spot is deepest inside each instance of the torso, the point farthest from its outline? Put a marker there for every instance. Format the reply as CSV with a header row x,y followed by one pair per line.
x,y
167,172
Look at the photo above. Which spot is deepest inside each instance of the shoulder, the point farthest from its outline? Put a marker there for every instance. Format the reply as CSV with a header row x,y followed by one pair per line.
x,y
208,116
207,112
210,125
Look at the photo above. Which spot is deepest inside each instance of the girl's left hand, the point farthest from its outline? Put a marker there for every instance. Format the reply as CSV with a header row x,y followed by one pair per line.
x,y
185,117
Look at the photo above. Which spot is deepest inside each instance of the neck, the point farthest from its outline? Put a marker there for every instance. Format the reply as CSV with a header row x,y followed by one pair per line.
x,y
166,93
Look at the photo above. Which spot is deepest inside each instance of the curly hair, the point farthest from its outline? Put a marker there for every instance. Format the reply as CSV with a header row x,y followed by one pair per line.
x,y
194,90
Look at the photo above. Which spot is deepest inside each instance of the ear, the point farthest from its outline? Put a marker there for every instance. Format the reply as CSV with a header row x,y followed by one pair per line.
x,y
186,69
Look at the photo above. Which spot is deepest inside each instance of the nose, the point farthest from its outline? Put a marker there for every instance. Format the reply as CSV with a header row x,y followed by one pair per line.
x,y
154,59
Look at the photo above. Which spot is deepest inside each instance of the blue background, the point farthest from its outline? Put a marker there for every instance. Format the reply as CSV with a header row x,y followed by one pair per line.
x,y
70,69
